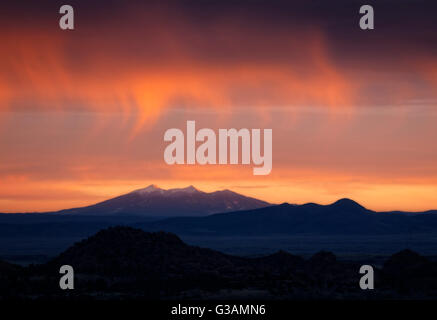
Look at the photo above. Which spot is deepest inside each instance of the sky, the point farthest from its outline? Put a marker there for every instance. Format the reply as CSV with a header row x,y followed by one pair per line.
x,y
83,112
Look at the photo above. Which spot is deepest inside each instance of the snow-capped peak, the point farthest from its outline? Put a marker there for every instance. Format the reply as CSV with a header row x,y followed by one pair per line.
x,y
149,189
189,189
154,188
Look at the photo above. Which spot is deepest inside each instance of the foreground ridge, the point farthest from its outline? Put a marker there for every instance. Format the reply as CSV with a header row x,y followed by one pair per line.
x,y
128,262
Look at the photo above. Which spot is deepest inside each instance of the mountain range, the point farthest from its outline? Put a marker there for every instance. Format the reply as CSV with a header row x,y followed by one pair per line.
x,y
191,211
343,217
154,201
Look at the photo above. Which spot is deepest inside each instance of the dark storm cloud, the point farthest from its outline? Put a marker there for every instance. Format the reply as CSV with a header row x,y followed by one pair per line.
x,y
402,26
302,37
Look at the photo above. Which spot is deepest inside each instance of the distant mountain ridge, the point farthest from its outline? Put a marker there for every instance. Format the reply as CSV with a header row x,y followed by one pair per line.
x,y
189,211
154,201
343,217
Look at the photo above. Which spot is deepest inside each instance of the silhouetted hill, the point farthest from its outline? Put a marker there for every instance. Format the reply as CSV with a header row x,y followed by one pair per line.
x,y
8,268
11,280
343,217
154,201
348,205
125,250
137,259
409,272
123,262
405,261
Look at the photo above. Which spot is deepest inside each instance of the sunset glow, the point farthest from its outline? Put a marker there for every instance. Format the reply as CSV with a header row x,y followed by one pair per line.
x,y
83,113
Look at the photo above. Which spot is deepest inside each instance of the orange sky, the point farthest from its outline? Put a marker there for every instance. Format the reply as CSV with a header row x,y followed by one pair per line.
x,y
83,113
